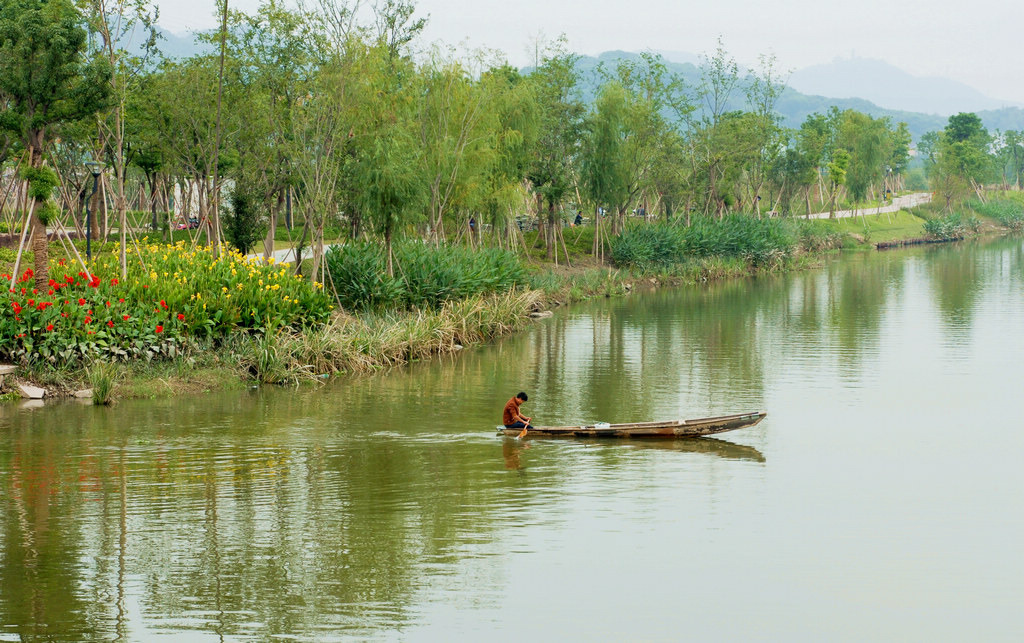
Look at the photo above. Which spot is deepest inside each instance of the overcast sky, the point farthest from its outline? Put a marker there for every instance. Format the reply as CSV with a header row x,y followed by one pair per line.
x,y
976,42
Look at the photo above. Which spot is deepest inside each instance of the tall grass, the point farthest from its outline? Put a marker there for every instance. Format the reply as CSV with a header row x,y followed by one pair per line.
x,y
1009,212
425,276
101,377
373,340
817,236
762,243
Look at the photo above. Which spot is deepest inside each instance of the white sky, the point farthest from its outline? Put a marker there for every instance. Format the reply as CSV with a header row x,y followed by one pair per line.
x,y
976,42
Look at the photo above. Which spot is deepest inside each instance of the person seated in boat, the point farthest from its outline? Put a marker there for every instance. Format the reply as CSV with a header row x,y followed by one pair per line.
x,y
511,417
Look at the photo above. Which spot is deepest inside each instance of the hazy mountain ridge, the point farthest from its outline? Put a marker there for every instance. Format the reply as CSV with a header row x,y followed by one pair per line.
x,y
794,106
892,88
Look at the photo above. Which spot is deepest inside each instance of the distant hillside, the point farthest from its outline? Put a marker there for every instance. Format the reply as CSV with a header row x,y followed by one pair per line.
x,y
795,107
178,46
892,88
171,45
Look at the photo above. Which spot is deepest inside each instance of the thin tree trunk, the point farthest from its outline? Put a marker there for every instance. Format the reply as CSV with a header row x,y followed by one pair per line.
x,y
268,243
215,227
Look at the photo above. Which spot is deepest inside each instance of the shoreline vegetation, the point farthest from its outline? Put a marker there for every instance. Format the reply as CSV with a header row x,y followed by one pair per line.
x,y
366,338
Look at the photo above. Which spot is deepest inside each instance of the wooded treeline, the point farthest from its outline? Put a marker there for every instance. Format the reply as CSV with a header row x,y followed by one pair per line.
x,y
335,111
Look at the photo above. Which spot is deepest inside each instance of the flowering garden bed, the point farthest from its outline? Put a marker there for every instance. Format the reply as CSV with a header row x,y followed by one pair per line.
x,y
174,297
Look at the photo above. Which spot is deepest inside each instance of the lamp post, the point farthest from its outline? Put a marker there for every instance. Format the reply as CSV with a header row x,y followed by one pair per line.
x,y
95,168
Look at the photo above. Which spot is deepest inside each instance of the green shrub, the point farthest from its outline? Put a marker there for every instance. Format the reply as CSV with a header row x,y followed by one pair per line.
x,y
816,236
646,246
6,227
953,226
548,281
425,276
760,242
360,279
243,225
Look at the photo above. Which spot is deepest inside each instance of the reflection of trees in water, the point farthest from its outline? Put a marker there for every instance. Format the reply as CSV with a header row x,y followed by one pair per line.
x,y
41,555
858,292
648,357
957,275
224,527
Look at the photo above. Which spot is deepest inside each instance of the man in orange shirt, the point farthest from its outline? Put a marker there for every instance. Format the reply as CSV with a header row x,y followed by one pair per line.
x,y
511,417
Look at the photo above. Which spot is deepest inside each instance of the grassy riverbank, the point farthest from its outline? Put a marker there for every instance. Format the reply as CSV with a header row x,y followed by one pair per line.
x,y
344,345
262,342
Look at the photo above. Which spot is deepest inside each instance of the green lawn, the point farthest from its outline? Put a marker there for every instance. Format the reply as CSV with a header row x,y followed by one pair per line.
x,y
881,227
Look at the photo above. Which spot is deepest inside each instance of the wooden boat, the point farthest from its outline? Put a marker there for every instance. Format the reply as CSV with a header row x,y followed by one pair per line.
x,y
666,429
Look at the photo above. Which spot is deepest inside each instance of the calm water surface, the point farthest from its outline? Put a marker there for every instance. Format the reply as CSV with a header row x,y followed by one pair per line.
x,y
883,498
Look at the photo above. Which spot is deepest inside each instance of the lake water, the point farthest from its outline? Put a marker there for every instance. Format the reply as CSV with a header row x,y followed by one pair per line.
x,y
882,498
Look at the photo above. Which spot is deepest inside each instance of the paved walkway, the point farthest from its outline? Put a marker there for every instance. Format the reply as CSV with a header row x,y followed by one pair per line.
x,y
899,203
287,255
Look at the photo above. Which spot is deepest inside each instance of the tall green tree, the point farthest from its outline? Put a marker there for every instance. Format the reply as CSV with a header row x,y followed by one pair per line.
x,y
642,92
273,55
767,138
837,172
561,112
455,126
393,193
47,82
603,162
1011,158
870,144
959,159
514,129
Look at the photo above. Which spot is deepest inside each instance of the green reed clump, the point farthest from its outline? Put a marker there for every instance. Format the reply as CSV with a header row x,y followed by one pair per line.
x,y
762,243
425,276
1008,212
549,282
359,276
817,236
644,245
101,377
952,226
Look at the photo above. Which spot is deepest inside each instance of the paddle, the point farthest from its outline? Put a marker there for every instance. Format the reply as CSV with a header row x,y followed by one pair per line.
x,y
522,433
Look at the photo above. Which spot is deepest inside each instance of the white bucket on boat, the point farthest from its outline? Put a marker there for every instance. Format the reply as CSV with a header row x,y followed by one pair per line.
x,y
602,425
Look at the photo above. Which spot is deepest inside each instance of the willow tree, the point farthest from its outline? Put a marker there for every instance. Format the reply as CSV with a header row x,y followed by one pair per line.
x,y
561,113
389,153
182,107
47,83
629,117
718,82
836,168
274,55
764,88
870,142
514,129
454,128
603,160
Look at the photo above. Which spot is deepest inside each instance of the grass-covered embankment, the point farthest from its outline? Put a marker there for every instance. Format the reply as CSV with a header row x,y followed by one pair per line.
x,y
186,322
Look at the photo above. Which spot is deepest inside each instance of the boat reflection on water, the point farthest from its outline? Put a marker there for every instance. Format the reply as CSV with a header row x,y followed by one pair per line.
x,y
712,446
511,448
